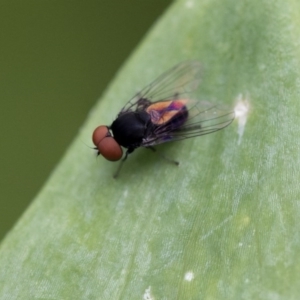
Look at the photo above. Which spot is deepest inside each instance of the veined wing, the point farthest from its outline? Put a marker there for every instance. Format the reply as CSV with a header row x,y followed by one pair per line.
x,y
201,118
173,84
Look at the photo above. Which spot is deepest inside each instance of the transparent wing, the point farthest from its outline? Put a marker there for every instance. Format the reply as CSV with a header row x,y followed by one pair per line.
x,y
176,82
202,118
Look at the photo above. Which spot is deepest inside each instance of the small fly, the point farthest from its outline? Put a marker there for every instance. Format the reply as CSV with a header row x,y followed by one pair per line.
x,y
162,112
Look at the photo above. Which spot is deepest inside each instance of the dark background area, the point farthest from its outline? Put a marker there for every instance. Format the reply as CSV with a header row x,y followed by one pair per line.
x,y
56,58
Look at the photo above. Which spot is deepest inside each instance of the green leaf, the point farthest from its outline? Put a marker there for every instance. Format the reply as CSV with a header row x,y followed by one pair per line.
x,y
222,225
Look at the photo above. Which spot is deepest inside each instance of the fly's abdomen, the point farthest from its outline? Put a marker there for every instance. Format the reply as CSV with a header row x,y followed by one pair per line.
x,y
171,113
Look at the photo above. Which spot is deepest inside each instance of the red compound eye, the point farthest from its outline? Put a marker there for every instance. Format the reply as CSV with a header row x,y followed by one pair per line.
x,y
106,144
99,134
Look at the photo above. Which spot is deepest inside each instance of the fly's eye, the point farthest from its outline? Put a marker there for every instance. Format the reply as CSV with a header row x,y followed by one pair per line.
x,y
99,134
110,149
106,144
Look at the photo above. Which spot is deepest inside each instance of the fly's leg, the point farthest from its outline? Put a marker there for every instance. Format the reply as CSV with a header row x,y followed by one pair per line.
x,y
174,162
121,164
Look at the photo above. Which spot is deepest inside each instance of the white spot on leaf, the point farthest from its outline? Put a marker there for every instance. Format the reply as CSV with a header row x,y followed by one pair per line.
x,y
241,110
147,295
189,276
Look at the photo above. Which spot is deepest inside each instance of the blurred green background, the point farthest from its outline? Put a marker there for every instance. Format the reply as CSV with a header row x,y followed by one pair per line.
x,y
56,58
